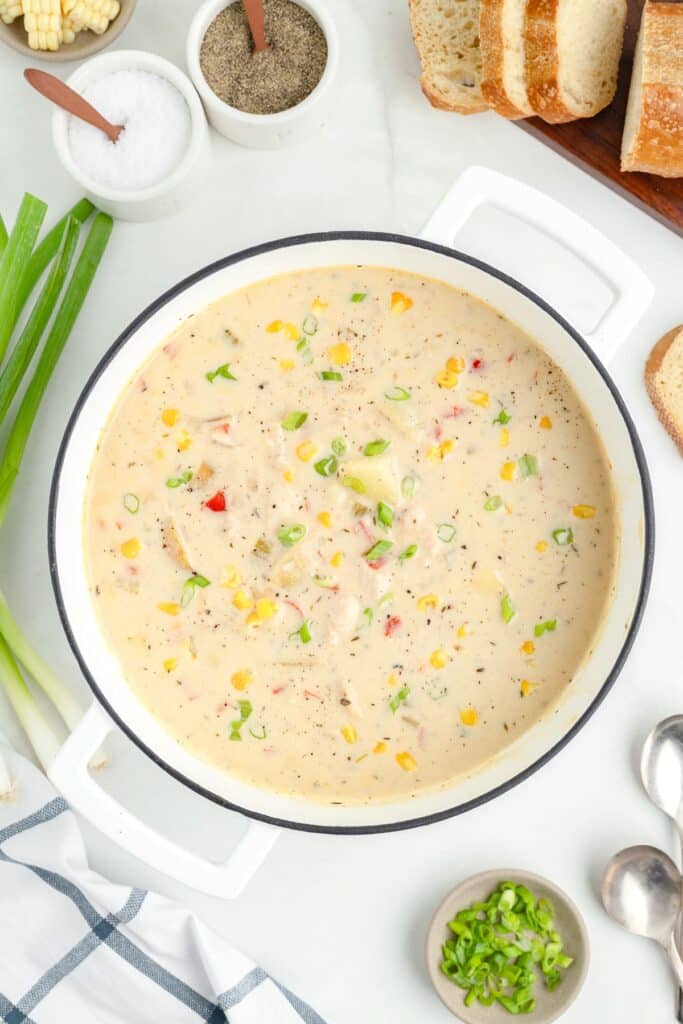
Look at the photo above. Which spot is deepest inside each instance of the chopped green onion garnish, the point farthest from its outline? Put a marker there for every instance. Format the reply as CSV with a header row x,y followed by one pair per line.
x,y
220,371
507,608
376,447
131,503
354,483
368,615
398,698
338,445
528,465
327,466
378,549
397,394
306,351
259,735
409,552
493,503
290,535
502,418
303,632
445,532
408,486
549,626
330,375
385,516
178,481
189,587
245,710
385,600
358,296
563,536
294,420
310,324
323,581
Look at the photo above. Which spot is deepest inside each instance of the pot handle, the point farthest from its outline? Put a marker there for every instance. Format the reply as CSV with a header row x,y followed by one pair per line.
x,y
479,186
69,773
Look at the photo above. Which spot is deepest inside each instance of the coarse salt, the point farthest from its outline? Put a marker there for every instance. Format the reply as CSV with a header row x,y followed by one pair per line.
x,y
156,133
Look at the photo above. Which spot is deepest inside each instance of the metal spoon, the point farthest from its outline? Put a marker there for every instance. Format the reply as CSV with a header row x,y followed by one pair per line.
x,y
661,769
641,890
64,96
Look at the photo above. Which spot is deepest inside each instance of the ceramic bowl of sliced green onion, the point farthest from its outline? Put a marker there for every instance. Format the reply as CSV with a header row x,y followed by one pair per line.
x,y
507,943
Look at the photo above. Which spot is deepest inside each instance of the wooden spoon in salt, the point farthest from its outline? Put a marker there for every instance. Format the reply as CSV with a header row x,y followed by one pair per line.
x,y
64,96
256,18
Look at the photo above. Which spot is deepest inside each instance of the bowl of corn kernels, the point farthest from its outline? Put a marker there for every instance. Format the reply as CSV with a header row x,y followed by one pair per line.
x,y
62,30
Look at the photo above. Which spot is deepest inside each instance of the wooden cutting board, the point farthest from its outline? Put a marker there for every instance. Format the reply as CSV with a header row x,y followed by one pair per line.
x,y
595,144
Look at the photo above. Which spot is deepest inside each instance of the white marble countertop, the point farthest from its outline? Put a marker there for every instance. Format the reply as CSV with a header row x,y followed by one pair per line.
x,y
342,920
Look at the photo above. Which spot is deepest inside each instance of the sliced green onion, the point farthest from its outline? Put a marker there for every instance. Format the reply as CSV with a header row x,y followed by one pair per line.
x,y
131,503
493,503
385,516
528,465
330,375
189,587
294,420
13,263
327,466
399,698
220,371
323,581
376,447
290,535
409,552
354,483
259,735
385,600
563,536
378,549
303,632
304,348
368,615
358,296
310,324
549,626
502,418
408,486
507,608
245,710
338,446
179,481
445,532
397,394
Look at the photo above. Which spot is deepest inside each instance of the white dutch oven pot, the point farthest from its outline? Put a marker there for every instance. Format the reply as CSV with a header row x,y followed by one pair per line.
x,y
115,704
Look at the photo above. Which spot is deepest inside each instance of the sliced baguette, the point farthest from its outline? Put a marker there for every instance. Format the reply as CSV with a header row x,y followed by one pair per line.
x,y
653,132
446,34
572,56
503,51
664,382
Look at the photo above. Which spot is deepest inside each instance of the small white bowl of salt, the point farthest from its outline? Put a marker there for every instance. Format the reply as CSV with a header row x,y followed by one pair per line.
x,y
159,158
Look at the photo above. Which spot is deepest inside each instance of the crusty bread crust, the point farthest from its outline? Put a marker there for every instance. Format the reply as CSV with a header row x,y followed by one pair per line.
x,y
492,55
652,368
436,97
543,62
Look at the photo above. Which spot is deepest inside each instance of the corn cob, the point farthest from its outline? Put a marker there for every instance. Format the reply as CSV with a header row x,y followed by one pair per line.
x,y
43,23
9,10
95,15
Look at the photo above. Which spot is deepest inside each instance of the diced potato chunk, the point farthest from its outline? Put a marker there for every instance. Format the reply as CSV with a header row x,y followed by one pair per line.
x,y
380,477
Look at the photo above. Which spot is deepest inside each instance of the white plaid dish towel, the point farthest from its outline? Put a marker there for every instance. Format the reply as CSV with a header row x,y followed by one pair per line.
x,y
76,948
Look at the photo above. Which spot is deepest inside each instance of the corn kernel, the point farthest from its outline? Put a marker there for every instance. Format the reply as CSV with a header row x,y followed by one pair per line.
x,y
340,354
337,559
438,658
508,471
464,630
170,417
287,364
392,679
468,716
437,451
446,379
242,678
528,647
231,577
306,450
455,364
400,303
184,441
292,332
242,600
349,733
406,761
170,664
380,747
427,601
526,687
265,608
287,475
480,398
545,423
275,326
318,306
325,519
504,438
131,548
169,607
252,619
541,546
584,511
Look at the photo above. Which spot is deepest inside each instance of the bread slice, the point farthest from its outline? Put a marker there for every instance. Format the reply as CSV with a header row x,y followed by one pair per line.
x,y
446,34
664,382
503,52
653,132
572,56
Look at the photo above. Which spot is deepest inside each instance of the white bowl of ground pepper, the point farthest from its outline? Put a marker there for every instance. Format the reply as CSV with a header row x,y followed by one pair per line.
x,y
273,98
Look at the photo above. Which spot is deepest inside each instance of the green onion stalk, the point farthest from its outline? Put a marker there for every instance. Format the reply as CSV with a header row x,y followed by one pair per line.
x,y
22,264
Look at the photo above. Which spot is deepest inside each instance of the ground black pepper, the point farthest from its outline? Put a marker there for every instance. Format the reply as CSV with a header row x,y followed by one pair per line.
x,y
277,78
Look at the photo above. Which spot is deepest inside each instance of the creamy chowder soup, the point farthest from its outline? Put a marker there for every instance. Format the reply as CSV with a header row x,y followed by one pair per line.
x,y
350,532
